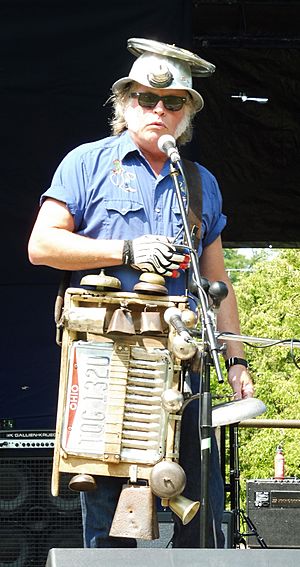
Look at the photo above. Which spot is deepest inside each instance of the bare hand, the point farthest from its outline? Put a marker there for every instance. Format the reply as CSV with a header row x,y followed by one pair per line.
x,y
241,382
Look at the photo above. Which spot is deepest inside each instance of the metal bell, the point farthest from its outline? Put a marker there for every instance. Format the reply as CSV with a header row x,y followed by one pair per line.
x,y
135,515
184,508
82,483
121,322
167,479
150,322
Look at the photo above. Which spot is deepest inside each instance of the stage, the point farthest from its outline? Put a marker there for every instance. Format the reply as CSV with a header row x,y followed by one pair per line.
x,y
174,557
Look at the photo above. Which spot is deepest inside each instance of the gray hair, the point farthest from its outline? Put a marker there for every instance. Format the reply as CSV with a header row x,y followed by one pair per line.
x,y
120,101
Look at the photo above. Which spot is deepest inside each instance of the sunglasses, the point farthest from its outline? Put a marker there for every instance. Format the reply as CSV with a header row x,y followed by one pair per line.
x,y
150,100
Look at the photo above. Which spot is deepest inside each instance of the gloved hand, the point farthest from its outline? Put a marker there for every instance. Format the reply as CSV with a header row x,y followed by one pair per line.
x,y
151,253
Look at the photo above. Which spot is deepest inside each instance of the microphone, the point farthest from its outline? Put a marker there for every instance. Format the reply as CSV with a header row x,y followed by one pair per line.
x,y
173,316
167,144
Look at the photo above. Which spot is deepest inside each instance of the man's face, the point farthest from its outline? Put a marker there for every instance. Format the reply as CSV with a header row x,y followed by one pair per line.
x,y
148,124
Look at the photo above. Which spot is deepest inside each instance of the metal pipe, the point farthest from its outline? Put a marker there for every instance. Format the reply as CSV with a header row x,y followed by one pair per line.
x,y
271,423
260,340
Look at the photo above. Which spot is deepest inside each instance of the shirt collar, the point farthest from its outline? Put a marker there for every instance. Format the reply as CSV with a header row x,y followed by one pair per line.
x,y
127,145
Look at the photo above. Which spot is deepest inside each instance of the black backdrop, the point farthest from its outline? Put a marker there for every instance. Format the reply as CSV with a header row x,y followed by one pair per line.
x,y
58,61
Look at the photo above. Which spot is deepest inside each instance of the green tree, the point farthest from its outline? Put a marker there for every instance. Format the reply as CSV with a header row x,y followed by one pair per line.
x,y
269,305
237,263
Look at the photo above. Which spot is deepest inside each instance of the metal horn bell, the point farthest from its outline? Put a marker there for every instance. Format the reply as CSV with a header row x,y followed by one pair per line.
x,y
184,508
121,322
135,515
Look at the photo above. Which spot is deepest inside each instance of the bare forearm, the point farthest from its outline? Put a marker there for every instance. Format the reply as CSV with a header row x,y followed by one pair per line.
x,y
64,250
228,321
212,265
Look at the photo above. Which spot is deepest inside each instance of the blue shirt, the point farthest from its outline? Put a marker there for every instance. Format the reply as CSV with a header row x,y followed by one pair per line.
x,y
112,193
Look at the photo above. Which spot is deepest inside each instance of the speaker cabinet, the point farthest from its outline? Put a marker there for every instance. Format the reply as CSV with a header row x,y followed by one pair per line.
x,y
166,530
273,506
32,521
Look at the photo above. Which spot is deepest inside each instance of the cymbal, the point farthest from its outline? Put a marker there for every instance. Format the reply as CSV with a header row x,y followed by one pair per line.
x,y
239,410
199,67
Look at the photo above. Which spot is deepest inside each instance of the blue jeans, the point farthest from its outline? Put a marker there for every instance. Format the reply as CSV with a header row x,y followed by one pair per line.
x,y
188,536
98,506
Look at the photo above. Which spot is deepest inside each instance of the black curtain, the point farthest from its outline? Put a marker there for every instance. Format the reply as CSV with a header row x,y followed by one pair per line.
x,y
58,62
252,146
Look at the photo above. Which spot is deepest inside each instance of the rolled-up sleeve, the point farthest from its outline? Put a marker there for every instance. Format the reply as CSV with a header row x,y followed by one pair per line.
x,y
69,184
213,219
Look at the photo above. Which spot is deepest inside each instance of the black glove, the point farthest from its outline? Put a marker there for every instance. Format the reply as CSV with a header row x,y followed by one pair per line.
x,y
151,253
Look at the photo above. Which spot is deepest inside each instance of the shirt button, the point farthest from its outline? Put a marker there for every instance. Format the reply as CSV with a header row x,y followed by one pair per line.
x,y
157,210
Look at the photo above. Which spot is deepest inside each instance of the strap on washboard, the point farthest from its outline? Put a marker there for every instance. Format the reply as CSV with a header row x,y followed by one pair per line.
x,y
194,185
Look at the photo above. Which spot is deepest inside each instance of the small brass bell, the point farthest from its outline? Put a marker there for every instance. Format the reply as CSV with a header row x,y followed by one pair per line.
x,y
82,483
101,281
151,284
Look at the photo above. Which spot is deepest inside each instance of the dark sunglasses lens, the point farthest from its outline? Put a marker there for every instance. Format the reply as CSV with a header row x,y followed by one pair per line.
x,y
148,100
173,102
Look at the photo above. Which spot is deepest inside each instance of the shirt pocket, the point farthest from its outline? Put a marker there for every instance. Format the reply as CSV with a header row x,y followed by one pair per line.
x,y
125,219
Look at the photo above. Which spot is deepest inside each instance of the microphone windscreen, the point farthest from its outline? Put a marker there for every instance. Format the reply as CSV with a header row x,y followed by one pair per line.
x,y
165,142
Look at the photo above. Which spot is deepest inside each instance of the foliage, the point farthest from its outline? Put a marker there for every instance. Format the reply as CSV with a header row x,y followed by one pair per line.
x,y
269,307
237,264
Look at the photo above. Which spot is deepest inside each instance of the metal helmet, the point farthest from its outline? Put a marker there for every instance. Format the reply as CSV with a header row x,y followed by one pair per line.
x,y
161,72
164,66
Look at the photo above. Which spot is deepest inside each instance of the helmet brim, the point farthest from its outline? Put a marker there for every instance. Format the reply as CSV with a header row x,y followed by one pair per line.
x,y
197,98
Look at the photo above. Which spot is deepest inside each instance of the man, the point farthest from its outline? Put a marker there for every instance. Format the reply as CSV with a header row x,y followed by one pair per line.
x,y
112,204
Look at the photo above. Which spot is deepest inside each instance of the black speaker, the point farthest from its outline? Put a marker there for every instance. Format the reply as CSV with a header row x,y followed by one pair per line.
x,y
165,523
228,528
173,557
166,530
32,521
273,507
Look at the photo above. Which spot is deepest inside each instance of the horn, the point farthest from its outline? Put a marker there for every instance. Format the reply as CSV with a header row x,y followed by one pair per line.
x,y
150,322
135,515
183,507
121,322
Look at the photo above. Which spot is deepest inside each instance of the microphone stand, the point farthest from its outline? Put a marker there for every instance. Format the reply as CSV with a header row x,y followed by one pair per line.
x,y
210,357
